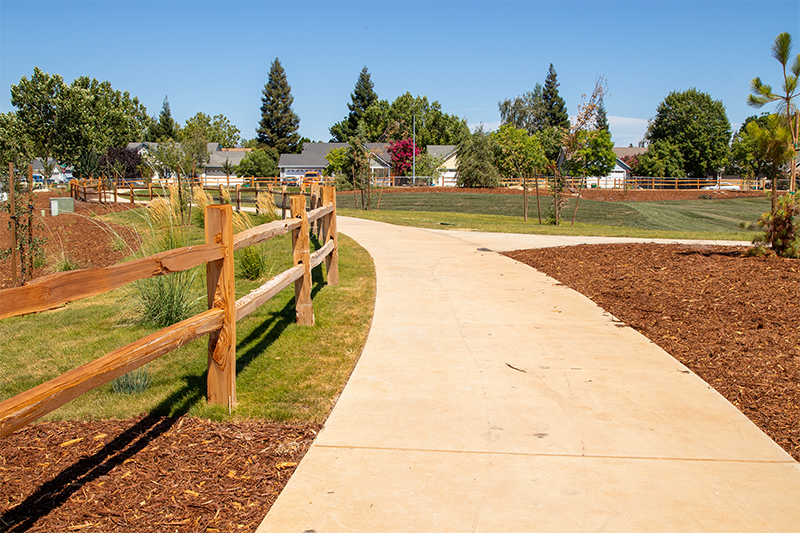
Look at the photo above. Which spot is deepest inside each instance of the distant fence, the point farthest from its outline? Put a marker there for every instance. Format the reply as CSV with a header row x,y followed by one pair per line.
x,y
639,182
218,322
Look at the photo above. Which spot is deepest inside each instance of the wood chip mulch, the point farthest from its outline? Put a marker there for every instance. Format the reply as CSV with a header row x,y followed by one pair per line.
x,y
147,474
734,320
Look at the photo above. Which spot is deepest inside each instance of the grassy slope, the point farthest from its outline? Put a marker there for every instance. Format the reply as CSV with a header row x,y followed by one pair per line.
x,y
284,371
700,219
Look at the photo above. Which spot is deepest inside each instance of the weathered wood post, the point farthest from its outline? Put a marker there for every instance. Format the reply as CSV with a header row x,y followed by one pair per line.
x,y
221,294
238,197
284,189
301,253
258,211
12,209
316,202
132,194
331,234
220,193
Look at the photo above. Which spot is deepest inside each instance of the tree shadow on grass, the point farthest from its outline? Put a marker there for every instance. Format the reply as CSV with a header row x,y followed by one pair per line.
x,y
54,493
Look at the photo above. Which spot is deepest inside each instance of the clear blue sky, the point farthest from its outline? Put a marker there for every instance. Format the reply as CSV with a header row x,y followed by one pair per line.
x,y
214,56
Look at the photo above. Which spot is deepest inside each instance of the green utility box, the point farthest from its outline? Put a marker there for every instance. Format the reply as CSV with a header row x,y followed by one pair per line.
x,y
61,205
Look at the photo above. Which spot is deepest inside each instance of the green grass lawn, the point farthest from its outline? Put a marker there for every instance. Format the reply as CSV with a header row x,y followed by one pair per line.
x,y
691,219
285,372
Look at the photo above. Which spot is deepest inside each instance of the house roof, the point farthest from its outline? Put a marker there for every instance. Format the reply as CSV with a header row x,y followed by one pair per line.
x,y
313,155
442,150
628,151
218,158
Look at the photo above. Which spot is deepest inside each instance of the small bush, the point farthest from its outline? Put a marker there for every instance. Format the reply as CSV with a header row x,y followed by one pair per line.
x,y
780,227
134,382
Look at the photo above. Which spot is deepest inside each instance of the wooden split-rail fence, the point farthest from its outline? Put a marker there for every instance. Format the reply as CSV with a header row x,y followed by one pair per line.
x,y
218,322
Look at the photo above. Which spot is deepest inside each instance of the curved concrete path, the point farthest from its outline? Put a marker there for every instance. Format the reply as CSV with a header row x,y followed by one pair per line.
x,y
490,399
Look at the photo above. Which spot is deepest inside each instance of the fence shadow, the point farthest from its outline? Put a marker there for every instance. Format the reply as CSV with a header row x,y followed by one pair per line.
x,y
54,493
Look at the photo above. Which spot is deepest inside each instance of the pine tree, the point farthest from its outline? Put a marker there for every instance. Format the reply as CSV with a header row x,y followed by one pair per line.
x,y
165,129
602,117
363,96
279,124
556,109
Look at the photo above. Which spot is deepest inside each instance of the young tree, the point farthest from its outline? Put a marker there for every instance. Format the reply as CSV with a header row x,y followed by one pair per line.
x,y
519,154
476,166
773,144
337,159
357,168
362,97
697,126
762,94
555,108
279,123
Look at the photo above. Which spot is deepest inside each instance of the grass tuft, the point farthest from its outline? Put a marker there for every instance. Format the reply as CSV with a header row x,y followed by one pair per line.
x,y
135,382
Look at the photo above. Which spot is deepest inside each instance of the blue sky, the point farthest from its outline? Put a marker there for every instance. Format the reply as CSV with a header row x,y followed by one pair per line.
x,y
214,56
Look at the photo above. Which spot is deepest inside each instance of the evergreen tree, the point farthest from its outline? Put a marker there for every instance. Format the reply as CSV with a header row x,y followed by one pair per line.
x,y
476,166
602,117
363,96
165,128
279,124
555,107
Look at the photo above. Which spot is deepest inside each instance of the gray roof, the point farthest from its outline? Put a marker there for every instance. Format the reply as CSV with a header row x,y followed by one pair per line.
x,y
218,157
627,151
313,155
442,150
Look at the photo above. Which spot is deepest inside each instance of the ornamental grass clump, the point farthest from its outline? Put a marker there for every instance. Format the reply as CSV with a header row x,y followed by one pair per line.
x,y
135,382
167,299
201,199
251,262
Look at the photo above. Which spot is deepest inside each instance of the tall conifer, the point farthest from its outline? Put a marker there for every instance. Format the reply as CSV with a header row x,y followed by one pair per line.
x,y
602,117
556,109
279,124
363,96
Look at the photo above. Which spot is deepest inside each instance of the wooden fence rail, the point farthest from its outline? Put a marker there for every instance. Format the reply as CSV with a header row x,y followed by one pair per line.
x,y
218,322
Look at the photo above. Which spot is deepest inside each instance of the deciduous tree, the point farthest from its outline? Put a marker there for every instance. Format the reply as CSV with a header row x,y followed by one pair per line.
x,y
215,130
697,126
403,153
261,162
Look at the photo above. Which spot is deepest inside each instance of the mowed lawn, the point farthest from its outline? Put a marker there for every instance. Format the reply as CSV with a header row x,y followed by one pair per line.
x,y
702,219
285,372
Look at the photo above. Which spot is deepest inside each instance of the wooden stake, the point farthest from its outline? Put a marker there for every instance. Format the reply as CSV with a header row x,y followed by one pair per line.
x,y
221,294
331,234
12,204
304,308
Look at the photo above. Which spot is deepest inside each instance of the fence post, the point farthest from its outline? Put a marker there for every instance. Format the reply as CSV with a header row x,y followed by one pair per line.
x,y
316,202
238,197
220,193
256,199
221,294
331,234
283,201
301,254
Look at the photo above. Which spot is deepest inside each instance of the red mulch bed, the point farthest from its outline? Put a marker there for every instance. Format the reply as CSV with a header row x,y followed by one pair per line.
x,y
78,235
146,474
734,320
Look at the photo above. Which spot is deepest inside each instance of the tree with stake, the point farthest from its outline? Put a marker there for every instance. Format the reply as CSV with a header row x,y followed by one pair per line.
x,y
520,154
762,94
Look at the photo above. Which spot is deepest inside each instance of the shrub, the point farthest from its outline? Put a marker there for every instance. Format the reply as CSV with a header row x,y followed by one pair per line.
x,y
780,227
165,300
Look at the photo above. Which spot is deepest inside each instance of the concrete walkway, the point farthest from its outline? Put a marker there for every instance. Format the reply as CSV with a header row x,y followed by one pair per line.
x,y
490,399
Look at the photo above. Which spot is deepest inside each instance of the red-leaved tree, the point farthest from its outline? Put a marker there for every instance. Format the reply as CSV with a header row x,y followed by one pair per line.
x,y
402,153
